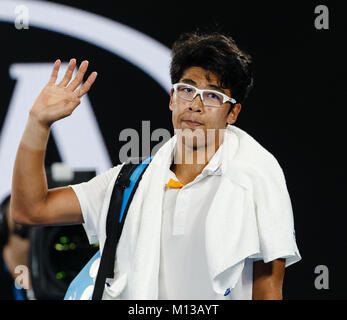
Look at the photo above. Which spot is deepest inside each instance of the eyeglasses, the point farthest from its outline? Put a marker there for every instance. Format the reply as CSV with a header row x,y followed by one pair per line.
x,y
209,98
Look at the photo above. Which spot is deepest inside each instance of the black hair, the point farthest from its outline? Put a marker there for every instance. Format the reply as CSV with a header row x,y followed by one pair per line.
x,y
217,53
4,231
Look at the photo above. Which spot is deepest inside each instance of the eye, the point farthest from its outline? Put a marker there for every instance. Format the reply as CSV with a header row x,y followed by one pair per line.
x,y
214,96
187,89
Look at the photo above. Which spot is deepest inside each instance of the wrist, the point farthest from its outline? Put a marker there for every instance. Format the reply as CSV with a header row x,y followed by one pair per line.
x,y
35,134
34,120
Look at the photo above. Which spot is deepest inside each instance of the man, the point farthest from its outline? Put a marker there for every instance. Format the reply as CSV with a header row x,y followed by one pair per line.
x,y
225,223
14,256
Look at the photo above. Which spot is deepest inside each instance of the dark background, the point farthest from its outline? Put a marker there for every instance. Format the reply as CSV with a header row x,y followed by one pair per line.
x,y
295,110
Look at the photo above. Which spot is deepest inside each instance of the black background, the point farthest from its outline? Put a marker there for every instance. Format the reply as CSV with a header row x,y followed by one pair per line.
x,y
296,110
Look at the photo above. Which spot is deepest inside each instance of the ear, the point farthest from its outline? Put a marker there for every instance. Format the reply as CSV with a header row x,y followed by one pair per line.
x,y
232,116
171,99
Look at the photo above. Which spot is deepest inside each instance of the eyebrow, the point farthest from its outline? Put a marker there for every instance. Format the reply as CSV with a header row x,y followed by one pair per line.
x,y
212,86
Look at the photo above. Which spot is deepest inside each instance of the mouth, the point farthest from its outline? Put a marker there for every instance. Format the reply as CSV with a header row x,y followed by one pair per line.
x,y
192,123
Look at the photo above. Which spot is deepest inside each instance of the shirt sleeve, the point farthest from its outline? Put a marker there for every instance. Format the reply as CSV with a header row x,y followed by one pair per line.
x,y
275,216
91,196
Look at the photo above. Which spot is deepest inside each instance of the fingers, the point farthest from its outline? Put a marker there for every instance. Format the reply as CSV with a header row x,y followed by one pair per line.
x,y
79,77
68,73
87,85
77,80
72,105
55,71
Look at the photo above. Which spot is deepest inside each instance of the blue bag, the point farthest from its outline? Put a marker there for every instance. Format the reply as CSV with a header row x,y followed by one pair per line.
x,y
90,282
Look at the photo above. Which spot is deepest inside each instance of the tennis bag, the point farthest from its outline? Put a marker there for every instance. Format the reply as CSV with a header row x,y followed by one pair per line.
x,y
90,282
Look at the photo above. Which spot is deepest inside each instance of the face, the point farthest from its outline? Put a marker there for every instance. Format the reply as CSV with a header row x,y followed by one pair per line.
x,y
194,116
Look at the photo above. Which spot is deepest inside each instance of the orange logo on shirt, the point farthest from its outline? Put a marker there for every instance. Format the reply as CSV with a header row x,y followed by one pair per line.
x,y
174,184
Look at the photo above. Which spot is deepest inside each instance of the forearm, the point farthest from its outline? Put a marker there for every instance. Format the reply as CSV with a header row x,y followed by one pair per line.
x,y
29,183
268,280
267,293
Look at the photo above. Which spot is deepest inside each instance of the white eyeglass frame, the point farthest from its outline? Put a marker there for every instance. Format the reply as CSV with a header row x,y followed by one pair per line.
x,y
201,91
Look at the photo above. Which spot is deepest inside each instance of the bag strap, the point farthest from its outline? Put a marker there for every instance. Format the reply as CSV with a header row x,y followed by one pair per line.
x,y
122,194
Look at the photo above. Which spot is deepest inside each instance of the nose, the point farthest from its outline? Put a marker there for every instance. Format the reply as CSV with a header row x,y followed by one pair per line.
x,y
196,105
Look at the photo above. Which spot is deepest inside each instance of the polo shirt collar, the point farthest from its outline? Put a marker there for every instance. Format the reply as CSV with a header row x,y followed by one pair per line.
x,y
214,166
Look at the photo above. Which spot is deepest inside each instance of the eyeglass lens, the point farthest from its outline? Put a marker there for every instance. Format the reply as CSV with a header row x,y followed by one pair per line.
x,y
208,98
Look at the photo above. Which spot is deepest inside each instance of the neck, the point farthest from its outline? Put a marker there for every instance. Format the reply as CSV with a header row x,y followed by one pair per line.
x,y
189,161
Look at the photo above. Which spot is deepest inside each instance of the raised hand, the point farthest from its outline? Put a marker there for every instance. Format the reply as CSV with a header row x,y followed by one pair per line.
x,y
57,101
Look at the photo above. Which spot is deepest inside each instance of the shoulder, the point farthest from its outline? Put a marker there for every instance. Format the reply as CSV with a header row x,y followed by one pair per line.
x,y
100,183
109,175
251,158
251,151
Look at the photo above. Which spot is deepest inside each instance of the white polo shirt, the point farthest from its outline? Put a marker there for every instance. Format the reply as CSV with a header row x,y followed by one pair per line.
x,y
183,271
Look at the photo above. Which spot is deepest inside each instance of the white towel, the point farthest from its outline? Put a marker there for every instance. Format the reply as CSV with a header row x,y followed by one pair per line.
x,y
254,221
